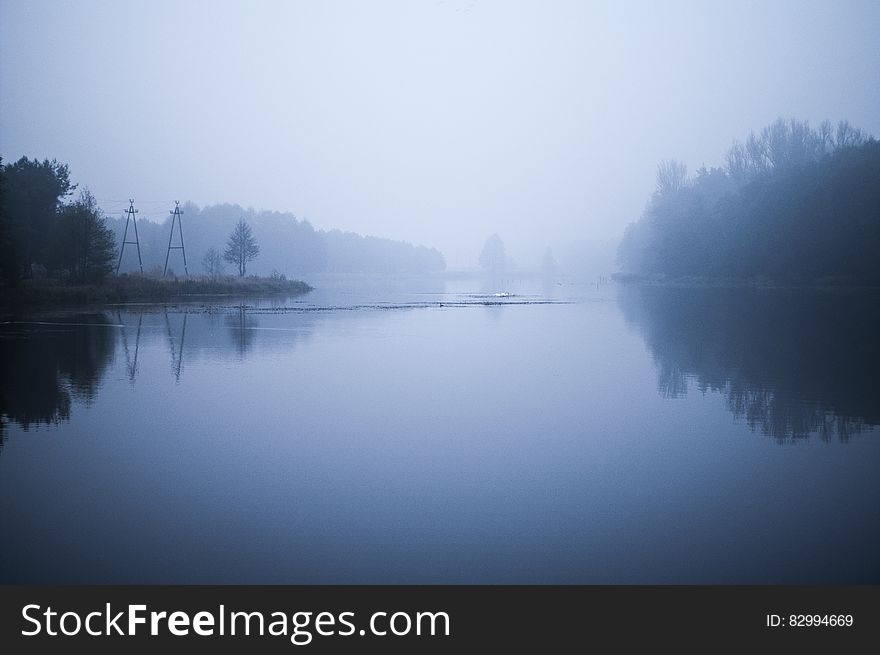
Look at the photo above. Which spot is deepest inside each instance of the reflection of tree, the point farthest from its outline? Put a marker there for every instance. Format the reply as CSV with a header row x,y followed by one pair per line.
x,y
782,417
241,328
789,363
47,365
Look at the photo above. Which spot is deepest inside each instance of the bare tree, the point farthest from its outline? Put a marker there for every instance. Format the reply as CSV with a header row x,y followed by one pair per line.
x,y
788,143
756,149
848,136
212,262
241,247
671,176
738,162
825,136
791,143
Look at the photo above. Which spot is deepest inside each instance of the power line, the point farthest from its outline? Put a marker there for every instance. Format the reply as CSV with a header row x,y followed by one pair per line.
x,y
130,217
176,216
125,200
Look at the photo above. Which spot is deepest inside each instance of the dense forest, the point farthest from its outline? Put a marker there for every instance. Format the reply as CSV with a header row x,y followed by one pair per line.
x,y
793,204
48,231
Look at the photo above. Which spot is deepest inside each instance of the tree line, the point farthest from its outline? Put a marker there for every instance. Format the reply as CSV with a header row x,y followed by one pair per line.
x,y
41,231
791,204
42,234
288,245
47,231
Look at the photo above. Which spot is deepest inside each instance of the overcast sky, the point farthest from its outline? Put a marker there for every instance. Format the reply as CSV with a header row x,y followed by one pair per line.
x,y
438,122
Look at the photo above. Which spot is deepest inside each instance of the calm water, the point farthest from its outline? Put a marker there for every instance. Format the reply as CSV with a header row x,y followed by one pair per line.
x,y
432,432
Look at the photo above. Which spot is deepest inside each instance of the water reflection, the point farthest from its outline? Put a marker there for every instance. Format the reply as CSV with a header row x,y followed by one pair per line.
x,y
790,363
50,362
176,340
131,353
242,327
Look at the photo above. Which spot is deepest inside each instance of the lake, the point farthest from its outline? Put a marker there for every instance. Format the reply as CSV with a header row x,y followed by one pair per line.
x,y
431,431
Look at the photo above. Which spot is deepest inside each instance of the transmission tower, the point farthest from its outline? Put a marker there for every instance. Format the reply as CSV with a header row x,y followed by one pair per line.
x,y
130,216
175,217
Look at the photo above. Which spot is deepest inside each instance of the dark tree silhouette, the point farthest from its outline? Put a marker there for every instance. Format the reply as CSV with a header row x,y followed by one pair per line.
x,y
82,245
794,205
241,247
32,195
10,269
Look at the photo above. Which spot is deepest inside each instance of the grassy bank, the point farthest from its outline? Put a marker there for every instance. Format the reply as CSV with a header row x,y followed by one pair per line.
x,y
137,288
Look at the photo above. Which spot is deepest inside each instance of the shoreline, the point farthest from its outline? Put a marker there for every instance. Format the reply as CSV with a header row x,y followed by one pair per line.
x,y
138,289
660,280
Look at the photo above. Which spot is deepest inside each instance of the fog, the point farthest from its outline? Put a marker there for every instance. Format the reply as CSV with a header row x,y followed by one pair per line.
x,y
437,123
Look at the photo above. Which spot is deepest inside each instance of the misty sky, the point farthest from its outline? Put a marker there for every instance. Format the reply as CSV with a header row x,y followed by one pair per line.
x,y
437,122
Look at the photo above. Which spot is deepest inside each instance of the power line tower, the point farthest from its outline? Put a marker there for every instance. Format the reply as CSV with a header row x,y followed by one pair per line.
x,y
175,217
130,216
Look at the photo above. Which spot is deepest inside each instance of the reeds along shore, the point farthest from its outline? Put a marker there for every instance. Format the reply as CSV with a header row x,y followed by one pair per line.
x,y
138,288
